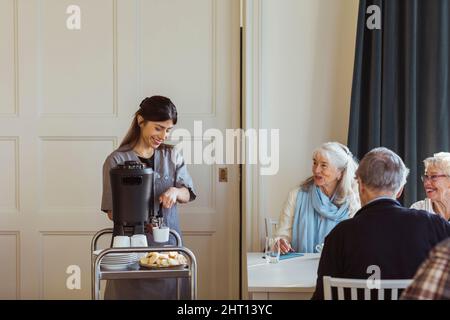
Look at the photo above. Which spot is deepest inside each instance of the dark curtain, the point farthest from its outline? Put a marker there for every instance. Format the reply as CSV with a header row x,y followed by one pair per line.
x,y
400,94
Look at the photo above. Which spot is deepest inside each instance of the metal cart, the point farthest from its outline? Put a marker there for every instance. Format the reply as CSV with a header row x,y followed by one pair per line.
x,y
97,273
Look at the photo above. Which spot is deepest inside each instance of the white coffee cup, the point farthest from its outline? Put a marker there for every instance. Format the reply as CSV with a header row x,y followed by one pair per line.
x,y
161,234
139,240
121,242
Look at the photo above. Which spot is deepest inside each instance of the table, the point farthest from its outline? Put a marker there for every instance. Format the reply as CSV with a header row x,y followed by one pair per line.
x,y
293,278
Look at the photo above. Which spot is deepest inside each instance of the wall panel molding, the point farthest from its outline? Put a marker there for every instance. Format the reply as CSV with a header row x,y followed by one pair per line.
x,y
202,233
16,235
15,62
208,238
114,107
214,60
42,235
58,210
16,209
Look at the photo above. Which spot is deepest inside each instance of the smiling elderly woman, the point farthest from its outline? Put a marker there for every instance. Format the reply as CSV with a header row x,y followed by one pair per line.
x,y
323,200
436,182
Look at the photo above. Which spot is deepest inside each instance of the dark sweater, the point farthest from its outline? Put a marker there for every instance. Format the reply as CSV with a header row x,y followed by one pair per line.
x,y
382,233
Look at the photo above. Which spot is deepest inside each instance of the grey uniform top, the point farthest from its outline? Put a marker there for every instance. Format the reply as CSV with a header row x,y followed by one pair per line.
x,y
170,171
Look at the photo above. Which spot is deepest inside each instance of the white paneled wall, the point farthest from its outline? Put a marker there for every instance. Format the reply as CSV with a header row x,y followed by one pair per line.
x,y
68,60
8,52
307,81
54,271
9,202
67,98
64,178
192,25
9,272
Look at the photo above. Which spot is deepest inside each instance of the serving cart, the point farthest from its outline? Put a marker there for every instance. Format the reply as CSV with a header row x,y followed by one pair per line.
x,y
137,272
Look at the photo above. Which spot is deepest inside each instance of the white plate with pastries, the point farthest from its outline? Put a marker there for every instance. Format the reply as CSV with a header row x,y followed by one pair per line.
x,y
163,260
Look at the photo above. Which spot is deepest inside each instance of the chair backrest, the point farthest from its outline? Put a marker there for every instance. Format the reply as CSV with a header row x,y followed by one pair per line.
x,y
271,225
355,284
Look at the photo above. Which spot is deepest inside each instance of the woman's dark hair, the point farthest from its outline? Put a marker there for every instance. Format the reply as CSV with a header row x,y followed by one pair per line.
x,y
155,108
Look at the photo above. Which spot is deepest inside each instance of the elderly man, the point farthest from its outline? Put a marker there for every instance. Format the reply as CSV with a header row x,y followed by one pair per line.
x,y
383,235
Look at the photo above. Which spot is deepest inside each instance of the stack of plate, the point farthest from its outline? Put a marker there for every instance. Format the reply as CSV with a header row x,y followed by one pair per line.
x,y
118,261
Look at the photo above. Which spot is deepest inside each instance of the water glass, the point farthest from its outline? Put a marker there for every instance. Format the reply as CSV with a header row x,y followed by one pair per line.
x,y
272,249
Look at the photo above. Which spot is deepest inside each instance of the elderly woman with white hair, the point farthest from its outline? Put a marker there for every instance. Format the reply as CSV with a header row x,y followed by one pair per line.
x,y
436,182
323,200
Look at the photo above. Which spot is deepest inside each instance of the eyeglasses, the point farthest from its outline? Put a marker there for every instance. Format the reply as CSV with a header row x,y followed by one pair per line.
x,y
433,178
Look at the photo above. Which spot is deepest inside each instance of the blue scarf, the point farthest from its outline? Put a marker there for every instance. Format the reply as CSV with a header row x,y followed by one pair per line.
x,y
315,216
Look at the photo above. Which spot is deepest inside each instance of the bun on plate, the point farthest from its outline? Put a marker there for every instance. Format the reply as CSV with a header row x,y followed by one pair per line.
x,y
163,259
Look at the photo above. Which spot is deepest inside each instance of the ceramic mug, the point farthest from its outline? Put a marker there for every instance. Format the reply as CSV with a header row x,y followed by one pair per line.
x,y
121,242
161,234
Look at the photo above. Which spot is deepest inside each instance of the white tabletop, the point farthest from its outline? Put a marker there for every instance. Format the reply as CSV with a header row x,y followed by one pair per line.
x,y
290,275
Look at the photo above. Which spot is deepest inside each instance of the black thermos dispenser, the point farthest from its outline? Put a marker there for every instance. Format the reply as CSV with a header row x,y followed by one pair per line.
x,y
131,186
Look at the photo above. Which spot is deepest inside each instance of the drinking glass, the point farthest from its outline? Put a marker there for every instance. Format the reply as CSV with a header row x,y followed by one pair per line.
x,y
272,249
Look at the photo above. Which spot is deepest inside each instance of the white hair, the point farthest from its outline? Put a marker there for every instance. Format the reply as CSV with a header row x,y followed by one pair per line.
x,y
347,189
383,169
440,161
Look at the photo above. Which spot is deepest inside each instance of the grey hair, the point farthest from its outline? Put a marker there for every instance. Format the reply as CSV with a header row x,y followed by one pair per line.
x,y
382,169
440,161
347,189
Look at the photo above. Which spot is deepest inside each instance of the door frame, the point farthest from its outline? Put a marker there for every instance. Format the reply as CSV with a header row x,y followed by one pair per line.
x,y
252,118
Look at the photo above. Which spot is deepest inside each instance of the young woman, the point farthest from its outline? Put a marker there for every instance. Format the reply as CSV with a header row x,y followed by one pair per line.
x,y
144,142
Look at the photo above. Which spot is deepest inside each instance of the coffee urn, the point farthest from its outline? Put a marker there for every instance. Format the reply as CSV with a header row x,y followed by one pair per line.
x,y
131,186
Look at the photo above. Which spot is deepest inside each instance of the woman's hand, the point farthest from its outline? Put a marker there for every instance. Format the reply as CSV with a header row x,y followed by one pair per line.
x,y
285,246
110,215
169,198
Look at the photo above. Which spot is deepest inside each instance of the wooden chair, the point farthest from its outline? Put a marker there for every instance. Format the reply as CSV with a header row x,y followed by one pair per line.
x,y
355,284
